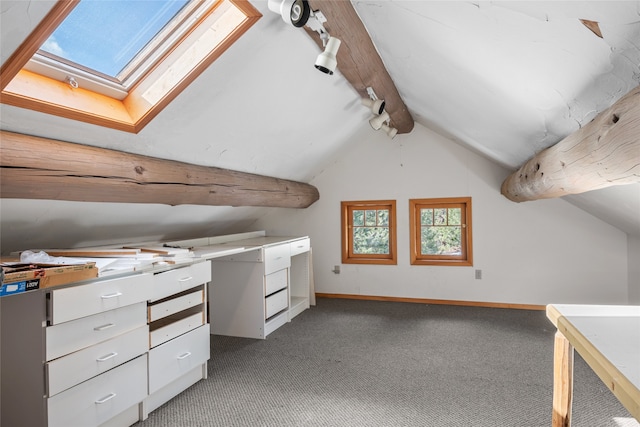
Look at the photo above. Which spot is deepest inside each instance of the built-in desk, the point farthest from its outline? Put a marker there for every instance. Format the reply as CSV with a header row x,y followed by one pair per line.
x,y
258,283
608,339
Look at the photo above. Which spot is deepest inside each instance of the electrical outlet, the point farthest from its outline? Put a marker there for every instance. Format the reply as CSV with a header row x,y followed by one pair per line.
x,y
336,269
478,274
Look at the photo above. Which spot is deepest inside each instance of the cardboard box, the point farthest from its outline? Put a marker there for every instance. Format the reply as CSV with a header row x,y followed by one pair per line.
x,y
18,278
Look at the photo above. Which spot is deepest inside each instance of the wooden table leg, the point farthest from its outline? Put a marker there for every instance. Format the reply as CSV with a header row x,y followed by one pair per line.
x,y
562,381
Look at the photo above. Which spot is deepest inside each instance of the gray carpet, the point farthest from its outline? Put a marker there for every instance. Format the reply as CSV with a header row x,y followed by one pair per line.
x,y
369,363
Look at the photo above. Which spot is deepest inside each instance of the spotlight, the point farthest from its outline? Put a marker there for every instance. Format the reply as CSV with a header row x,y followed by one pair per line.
x,y
326,61
294,12
391,132
376,105
378,121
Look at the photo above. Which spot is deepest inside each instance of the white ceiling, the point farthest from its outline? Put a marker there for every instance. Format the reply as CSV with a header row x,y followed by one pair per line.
x,y
505,79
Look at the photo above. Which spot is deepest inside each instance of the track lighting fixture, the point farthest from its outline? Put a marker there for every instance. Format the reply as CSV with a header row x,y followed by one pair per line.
x,y
326,61
294,12
391,132
378,121
299,13
376,106
381,119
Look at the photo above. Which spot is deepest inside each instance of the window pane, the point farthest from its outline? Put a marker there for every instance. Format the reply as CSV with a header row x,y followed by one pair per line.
x,y
426,216
371,240
455,215
383,217
440,216
106,35
441,240
358,218
370,218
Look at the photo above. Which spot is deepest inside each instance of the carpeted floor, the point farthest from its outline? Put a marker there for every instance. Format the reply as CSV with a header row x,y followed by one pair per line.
x,y
369,363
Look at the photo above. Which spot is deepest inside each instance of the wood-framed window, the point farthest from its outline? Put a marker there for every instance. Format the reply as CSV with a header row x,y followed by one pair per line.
x,y
440,231
77,94
369,232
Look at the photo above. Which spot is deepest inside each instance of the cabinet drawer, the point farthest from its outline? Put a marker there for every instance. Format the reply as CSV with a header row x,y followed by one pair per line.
x,y
300,246
174,305
77,334
175,358
276,302
85,300
95,401
180,279
275,281
77,367
175,329
276,258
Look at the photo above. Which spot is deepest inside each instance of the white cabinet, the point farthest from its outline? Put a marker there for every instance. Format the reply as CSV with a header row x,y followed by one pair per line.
x,y
105,351
254,292
178,332
96,344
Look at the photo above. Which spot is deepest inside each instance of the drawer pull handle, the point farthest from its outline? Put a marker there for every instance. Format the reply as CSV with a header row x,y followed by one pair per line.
x,y
106,398
103,327
184,356
113,295
107,357
185,279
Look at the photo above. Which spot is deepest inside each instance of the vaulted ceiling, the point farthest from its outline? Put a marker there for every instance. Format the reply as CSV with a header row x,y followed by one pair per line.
x,y
506,79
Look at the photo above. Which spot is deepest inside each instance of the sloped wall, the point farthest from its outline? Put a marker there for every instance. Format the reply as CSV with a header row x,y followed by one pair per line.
x,y
546,251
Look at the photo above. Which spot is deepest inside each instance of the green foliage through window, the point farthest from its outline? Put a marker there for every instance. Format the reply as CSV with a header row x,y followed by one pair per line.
x,y
371,236
441,231
368,232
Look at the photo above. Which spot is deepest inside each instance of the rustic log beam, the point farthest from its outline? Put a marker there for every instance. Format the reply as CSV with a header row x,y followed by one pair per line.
x,y
39,168
603,153
358,59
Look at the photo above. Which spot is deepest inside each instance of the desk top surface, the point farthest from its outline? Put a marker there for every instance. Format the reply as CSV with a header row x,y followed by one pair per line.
x,y
610,334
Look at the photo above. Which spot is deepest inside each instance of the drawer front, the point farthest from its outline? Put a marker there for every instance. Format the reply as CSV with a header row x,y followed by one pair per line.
x,y
95,401
180,279
175,329
276,258
300,246
276,302
275,281
174,305
175,358
71,336
85,300
67,371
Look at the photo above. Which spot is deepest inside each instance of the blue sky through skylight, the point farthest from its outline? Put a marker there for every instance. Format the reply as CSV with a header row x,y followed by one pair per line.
x,y
105,35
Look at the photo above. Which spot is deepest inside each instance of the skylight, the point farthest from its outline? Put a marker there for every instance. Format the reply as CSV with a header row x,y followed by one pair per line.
x,y
118,63
106,35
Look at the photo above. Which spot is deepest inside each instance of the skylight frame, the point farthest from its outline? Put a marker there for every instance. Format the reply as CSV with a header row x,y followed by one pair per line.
x,y
132,110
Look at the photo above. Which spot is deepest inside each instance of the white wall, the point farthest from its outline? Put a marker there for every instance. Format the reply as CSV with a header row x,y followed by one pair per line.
x,y
530,253
634,269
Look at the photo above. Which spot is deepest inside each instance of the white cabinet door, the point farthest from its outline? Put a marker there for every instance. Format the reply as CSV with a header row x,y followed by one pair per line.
x,y
275,281
93,402
276,258
77,334
180,279
80,301
276,303
175,358
72,369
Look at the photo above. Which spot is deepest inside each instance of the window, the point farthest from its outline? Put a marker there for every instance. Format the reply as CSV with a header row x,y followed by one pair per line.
x,y
369,232
146,70
440,231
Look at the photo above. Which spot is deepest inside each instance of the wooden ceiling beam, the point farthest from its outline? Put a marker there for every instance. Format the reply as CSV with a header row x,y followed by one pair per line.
x,y
40,168
603,153
358,59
